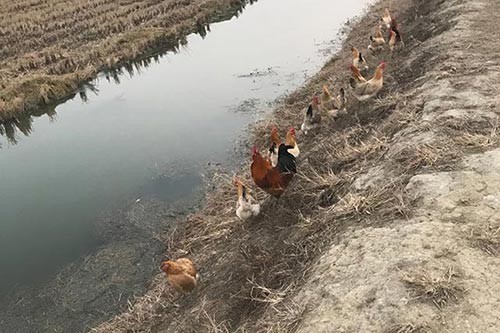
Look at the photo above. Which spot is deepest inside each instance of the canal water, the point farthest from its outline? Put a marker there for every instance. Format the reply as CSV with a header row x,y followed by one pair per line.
x,y
152,134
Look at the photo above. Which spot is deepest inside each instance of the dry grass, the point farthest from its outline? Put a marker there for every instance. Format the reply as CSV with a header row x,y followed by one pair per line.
x,y
408,328
439,290
56,45
387,201
438,155
144,309
473,133
486,238
286,317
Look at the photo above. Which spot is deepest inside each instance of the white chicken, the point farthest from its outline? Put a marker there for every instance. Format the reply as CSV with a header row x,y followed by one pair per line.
x,y
246,207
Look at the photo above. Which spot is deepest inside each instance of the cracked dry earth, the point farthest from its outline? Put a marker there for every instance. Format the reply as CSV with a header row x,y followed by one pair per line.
x,y
439,269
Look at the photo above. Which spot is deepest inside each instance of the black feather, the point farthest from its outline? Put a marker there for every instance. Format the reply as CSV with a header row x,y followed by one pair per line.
x,y
244,194
398,35
309,111
286,161
271,149
361,58
394,27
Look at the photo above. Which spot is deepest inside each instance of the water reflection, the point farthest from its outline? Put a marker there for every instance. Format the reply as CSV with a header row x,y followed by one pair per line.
x,y
23,122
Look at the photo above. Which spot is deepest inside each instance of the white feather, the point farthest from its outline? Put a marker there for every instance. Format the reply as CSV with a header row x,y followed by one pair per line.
x,y
295,151
274,157
245,208
307,127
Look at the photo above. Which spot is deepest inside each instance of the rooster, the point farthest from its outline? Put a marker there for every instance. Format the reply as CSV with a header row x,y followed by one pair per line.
x,y
387,19
333,105
181,274
358,60
312,118
395,36
274,180
363,89
245,207
377,42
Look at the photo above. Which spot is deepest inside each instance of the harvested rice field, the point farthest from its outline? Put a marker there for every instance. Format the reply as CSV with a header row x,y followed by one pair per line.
x,y
48,48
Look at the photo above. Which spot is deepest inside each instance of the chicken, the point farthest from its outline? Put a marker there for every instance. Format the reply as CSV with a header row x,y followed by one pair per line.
x,y
333,106
181,274
377,42
386,19
395,36
328,101
246,206
342,99
275,180
363,89
273,149
358,60
326,96
276,142
392,40
312,118
341,106
356,74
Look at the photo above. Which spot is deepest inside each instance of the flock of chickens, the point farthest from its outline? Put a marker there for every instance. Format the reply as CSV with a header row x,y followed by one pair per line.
x,y
274,172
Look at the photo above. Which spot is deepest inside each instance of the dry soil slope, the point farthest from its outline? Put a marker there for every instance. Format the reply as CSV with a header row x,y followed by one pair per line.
x,y
439,270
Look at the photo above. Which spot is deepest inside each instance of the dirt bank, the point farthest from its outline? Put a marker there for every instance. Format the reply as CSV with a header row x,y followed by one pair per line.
x,y
392,224
49,48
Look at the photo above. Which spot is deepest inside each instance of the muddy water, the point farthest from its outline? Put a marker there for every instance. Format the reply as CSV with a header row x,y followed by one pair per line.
x,y
151,135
